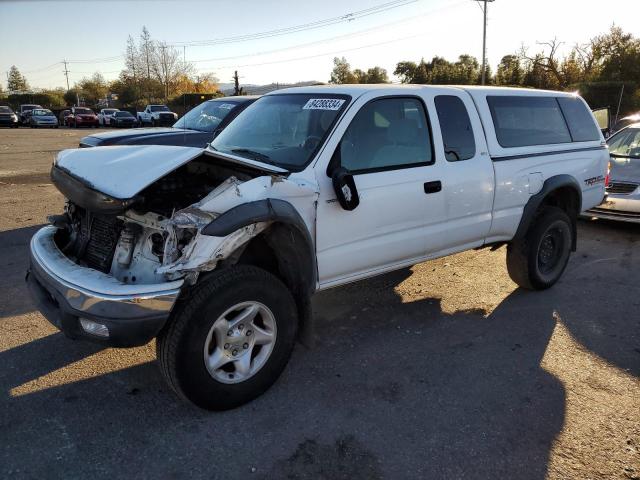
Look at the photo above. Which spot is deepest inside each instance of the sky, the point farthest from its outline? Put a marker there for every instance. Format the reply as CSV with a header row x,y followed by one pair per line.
x,y
38,34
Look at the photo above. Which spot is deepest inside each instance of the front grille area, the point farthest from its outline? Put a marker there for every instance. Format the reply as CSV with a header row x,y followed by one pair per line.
x,y
96,239
166,116
622,188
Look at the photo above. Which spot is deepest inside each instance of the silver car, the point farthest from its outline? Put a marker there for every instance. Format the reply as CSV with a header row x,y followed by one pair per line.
x,y
622,199
43,117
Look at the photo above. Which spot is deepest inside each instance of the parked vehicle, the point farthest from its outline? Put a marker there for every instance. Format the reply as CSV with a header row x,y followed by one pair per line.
x,y
622,201
62,117
43,117
157,116
625,122
82,117
8,118
122,119
218,251
195,129
105,115
25,112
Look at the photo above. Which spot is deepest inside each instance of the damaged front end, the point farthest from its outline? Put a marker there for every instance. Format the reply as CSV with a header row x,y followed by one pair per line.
x,y
111,267
156,235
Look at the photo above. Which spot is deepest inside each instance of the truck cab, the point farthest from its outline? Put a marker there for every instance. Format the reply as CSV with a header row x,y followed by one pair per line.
x,y
218,251
157,116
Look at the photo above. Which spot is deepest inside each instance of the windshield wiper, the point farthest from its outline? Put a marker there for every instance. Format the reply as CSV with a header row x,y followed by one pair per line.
x,y
253,154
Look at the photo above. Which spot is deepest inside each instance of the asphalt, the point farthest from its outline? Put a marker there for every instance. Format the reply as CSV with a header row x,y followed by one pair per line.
x,y
445,370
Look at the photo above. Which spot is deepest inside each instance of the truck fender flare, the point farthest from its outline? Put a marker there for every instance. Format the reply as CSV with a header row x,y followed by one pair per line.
x,y
533,204
300,264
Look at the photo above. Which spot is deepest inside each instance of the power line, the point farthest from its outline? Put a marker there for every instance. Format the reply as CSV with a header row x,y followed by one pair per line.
x,y
349,17
332,39
335,52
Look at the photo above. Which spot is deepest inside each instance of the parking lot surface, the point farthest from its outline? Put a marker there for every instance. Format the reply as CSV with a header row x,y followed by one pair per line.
x,y
445,370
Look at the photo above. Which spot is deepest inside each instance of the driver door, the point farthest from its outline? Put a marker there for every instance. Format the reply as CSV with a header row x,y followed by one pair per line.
x,y
388,149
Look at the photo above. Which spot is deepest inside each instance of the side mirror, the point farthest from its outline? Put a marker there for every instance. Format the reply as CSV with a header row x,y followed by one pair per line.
x,y
345,187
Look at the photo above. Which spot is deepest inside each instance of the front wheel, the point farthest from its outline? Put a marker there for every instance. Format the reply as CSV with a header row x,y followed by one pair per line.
x,y
537,261
230,339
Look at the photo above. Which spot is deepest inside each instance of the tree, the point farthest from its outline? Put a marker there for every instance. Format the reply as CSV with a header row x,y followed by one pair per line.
x,y
341,72
16,82
372,75
93,89
411,72
509,71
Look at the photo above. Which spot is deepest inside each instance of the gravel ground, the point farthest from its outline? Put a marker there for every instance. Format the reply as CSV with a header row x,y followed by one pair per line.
x,y
444,370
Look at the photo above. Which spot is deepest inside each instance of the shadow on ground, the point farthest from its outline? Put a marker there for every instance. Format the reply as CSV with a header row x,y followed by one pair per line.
x,y
390,388
14,261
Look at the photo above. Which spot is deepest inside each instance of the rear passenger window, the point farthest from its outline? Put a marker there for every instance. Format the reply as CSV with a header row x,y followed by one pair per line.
x,y
387,134
525,121
581,124
457,134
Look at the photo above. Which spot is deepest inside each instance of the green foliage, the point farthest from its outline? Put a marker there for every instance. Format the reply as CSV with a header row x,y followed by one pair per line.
x,y
16,82
341,72
439,71
47,98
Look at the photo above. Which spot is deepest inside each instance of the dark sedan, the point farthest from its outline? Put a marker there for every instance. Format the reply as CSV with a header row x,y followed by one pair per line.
x,y
195,129
123,119
8,118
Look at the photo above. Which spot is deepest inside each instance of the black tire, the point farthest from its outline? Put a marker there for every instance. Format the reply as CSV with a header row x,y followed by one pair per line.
x,y
180,345
537,261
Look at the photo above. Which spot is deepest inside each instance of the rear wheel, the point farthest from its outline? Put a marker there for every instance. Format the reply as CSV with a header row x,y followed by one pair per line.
x,y
537,261
230,340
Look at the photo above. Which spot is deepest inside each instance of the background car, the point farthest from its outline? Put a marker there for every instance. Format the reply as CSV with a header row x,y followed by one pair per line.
x,y
625,122
62,117
8,118
43,117
82,117
622,200
122,118
195,129
25,111
105,115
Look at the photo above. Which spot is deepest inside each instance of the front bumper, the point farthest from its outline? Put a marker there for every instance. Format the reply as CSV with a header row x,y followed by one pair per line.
x,y
620,207
65,292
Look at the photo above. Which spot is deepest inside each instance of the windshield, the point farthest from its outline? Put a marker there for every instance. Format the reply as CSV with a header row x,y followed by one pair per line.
x,y
159,108
206,116
27,108
109,112
284,130
625,143
41,112
5,110
84,111
122,114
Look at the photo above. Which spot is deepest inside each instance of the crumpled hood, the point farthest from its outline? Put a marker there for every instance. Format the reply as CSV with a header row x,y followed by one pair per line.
x,y
123,171
625,169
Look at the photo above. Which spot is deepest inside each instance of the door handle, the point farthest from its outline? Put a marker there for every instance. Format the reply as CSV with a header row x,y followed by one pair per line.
x,y
432,187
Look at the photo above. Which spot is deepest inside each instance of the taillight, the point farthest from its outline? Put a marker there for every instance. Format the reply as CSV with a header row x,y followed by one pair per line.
x,y
608,176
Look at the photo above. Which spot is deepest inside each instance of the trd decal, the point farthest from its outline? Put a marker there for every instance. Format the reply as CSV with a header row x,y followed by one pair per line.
x,y
593,180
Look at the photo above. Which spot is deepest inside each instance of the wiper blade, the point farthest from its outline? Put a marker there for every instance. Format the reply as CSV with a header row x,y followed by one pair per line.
x,y
253,154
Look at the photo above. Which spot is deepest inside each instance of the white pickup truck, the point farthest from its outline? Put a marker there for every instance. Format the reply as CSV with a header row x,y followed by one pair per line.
x,y
217,251
157,116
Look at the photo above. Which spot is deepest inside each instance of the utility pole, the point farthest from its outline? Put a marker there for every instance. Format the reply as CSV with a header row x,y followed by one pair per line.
x,y
484,40
236,80
66,73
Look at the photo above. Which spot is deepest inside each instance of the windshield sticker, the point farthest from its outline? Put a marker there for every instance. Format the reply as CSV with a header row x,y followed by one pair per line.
x,y
227,106
323,104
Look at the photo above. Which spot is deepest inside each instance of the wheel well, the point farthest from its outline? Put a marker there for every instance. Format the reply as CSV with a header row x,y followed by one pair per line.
x,y
565,198
284,252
